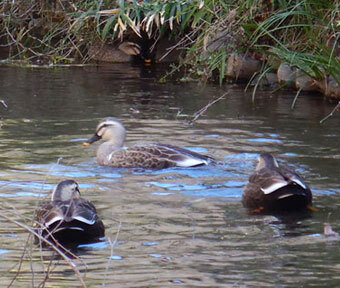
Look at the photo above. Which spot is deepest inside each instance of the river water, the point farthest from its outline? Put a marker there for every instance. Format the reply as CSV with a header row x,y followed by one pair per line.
x,y
175,227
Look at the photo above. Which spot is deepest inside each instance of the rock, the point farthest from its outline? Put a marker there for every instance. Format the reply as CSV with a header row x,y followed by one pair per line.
x,y
286,75
242,67
269,79
305,82
329,87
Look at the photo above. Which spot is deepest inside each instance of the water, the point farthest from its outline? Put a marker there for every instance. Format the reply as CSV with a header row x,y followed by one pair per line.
x,y
175,227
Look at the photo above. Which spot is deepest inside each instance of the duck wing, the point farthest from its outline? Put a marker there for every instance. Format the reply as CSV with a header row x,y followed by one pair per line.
x,y
271,180
83,211
173,155
293,178
268,180
49,214
155,156
59,215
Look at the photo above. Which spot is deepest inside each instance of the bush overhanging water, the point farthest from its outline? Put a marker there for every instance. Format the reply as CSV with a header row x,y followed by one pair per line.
x,y
303,33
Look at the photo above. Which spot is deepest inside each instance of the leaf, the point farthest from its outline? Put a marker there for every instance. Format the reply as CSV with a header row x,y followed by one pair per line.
x,y
110,22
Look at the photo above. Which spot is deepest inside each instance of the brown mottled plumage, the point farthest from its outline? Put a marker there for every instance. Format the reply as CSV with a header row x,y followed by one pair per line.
x,y
67,218
275,188
153,155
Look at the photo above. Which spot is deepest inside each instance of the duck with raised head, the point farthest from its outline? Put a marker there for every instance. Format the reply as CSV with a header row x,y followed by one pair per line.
x,y
69,219
151,155
275,188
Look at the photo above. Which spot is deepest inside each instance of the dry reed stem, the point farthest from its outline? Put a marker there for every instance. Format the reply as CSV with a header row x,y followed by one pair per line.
x,y
200,112
112,244
331,114
50,244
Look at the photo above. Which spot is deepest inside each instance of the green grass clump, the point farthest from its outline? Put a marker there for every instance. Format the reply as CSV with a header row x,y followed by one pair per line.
x,y
303,33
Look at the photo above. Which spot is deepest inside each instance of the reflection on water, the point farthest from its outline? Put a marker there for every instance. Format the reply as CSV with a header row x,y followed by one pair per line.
x,y
175,227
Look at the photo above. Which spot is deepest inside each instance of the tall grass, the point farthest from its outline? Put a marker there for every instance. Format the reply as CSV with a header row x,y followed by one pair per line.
x,y
298,32
304,33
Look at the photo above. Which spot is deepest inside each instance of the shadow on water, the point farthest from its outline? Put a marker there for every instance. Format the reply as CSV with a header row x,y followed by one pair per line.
x,y
175,227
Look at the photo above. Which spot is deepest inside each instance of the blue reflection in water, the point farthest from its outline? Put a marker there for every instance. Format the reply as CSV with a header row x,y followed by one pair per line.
x,y
226,192
176,281
290,154
116,257
229,178
97,245
155,255
327,192
3,251
227,189
177,186
274,135
212,136
29,184
264,140
197,149
150,243
22,194
196,172
78,139
162,193
243,156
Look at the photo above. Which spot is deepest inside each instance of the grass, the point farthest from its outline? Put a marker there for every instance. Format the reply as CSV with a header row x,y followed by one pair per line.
x,y
302,33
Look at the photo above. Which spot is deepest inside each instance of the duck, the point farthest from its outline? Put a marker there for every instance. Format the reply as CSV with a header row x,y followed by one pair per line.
x,y
68,219
275,188
148,155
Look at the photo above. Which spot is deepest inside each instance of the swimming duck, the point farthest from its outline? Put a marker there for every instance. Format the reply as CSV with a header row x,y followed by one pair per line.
x,y
68,218
275,188
153,155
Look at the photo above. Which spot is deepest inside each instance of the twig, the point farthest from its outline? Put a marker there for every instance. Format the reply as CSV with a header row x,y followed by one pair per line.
x,y
330,114
112,244
20,264
181,42
55,248
295,99
197,114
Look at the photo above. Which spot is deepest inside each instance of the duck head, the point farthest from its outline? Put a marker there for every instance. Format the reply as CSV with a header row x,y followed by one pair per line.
x,y
65,191
109,129
266,160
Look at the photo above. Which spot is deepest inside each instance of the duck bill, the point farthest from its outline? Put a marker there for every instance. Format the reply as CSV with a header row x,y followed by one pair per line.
x,y
94,138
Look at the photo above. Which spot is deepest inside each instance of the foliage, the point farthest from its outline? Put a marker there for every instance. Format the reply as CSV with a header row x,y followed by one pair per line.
x,y
304,33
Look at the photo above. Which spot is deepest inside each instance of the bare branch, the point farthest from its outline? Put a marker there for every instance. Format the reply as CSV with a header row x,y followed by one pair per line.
x,y
331,114
200,112
3,215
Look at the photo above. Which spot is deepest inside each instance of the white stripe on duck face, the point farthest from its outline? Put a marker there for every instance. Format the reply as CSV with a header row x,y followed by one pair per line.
x,y
106,124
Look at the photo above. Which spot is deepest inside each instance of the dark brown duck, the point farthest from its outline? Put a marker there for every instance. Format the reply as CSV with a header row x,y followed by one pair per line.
x,y
275,188
69,219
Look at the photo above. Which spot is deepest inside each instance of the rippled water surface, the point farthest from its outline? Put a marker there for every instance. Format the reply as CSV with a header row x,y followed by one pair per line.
x,y
175,227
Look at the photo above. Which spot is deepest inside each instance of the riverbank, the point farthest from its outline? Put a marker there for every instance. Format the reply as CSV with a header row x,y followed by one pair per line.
x,y
284,44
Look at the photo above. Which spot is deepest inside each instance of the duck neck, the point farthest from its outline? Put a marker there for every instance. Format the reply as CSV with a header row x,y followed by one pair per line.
x,y
104,151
